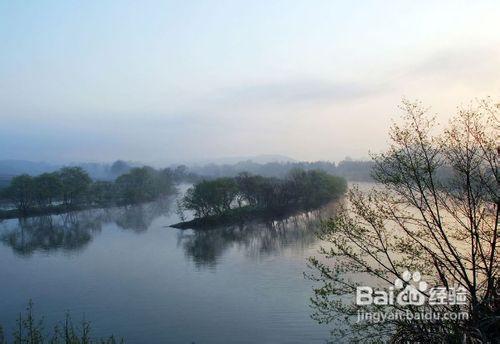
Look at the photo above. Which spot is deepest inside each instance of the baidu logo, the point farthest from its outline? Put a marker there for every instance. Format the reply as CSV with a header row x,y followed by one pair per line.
x,y
411,294
411,290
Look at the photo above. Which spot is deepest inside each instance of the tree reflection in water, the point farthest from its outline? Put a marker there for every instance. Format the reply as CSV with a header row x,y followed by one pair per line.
x,y
45,233
205,247
72,232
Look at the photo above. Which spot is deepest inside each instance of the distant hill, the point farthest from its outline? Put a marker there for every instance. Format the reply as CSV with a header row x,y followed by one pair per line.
x,y
258,159
15,167
267,158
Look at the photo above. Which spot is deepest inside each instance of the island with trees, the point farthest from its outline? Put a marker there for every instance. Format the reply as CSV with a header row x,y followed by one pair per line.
x,y
246,197
71,188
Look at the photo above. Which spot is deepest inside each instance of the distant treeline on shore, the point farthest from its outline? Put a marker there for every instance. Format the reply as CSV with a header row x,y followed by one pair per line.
x,y
97,171
352,170
74,188
246,196
71,188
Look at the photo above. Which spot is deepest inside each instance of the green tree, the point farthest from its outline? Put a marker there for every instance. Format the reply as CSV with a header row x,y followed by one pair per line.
x,y
137,185
75,184
119,167
47,189
212,197
143,184
251,188
21,192
300,191
435,210
165,181
314,187
103,193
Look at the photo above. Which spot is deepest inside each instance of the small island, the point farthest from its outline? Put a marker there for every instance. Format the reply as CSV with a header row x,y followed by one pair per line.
x,y
72,189
249,197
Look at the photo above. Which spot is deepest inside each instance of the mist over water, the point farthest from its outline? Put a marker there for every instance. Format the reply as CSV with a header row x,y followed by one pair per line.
x,y
151,153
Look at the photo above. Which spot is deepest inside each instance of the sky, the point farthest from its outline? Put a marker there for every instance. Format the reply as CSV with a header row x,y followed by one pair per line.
x,y
179,81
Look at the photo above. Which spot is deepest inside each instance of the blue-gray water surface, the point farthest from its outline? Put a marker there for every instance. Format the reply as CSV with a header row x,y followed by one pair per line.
x,y
132,275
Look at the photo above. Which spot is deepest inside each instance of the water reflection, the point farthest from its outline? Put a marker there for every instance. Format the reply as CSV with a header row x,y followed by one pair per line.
x,y
72,232
68,232
129,262
205,247
138,218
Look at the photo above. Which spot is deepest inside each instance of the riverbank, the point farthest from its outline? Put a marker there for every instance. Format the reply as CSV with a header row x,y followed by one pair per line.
x,y
63,209
54,210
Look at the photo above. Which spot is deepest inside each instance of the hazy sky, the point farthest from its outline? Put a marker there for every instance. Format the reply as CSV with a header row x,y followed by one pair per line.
x,y
168,81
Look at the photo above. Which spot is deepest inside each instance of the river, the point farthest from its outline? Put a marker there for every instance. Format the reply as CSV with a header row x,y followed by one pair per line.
x,y
132,275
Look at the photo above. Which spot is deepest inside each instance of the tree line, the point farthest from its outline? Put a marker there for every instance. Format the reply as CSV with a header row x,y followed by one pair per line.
x,y
300,189
72,188
350,169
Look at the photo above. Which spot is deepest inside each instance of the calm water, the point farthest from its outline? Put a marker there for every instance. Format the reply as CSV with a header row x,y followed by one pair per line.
x,y
132,275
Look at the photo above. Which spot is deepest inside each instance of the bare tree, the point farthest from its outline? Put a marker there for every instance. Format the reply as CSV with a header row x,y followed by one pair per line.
x,y
435,210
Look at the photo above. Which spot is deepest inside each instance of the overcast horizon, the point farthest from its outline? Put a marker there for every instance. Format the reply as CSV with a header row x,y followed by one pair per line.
x,y
164,81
